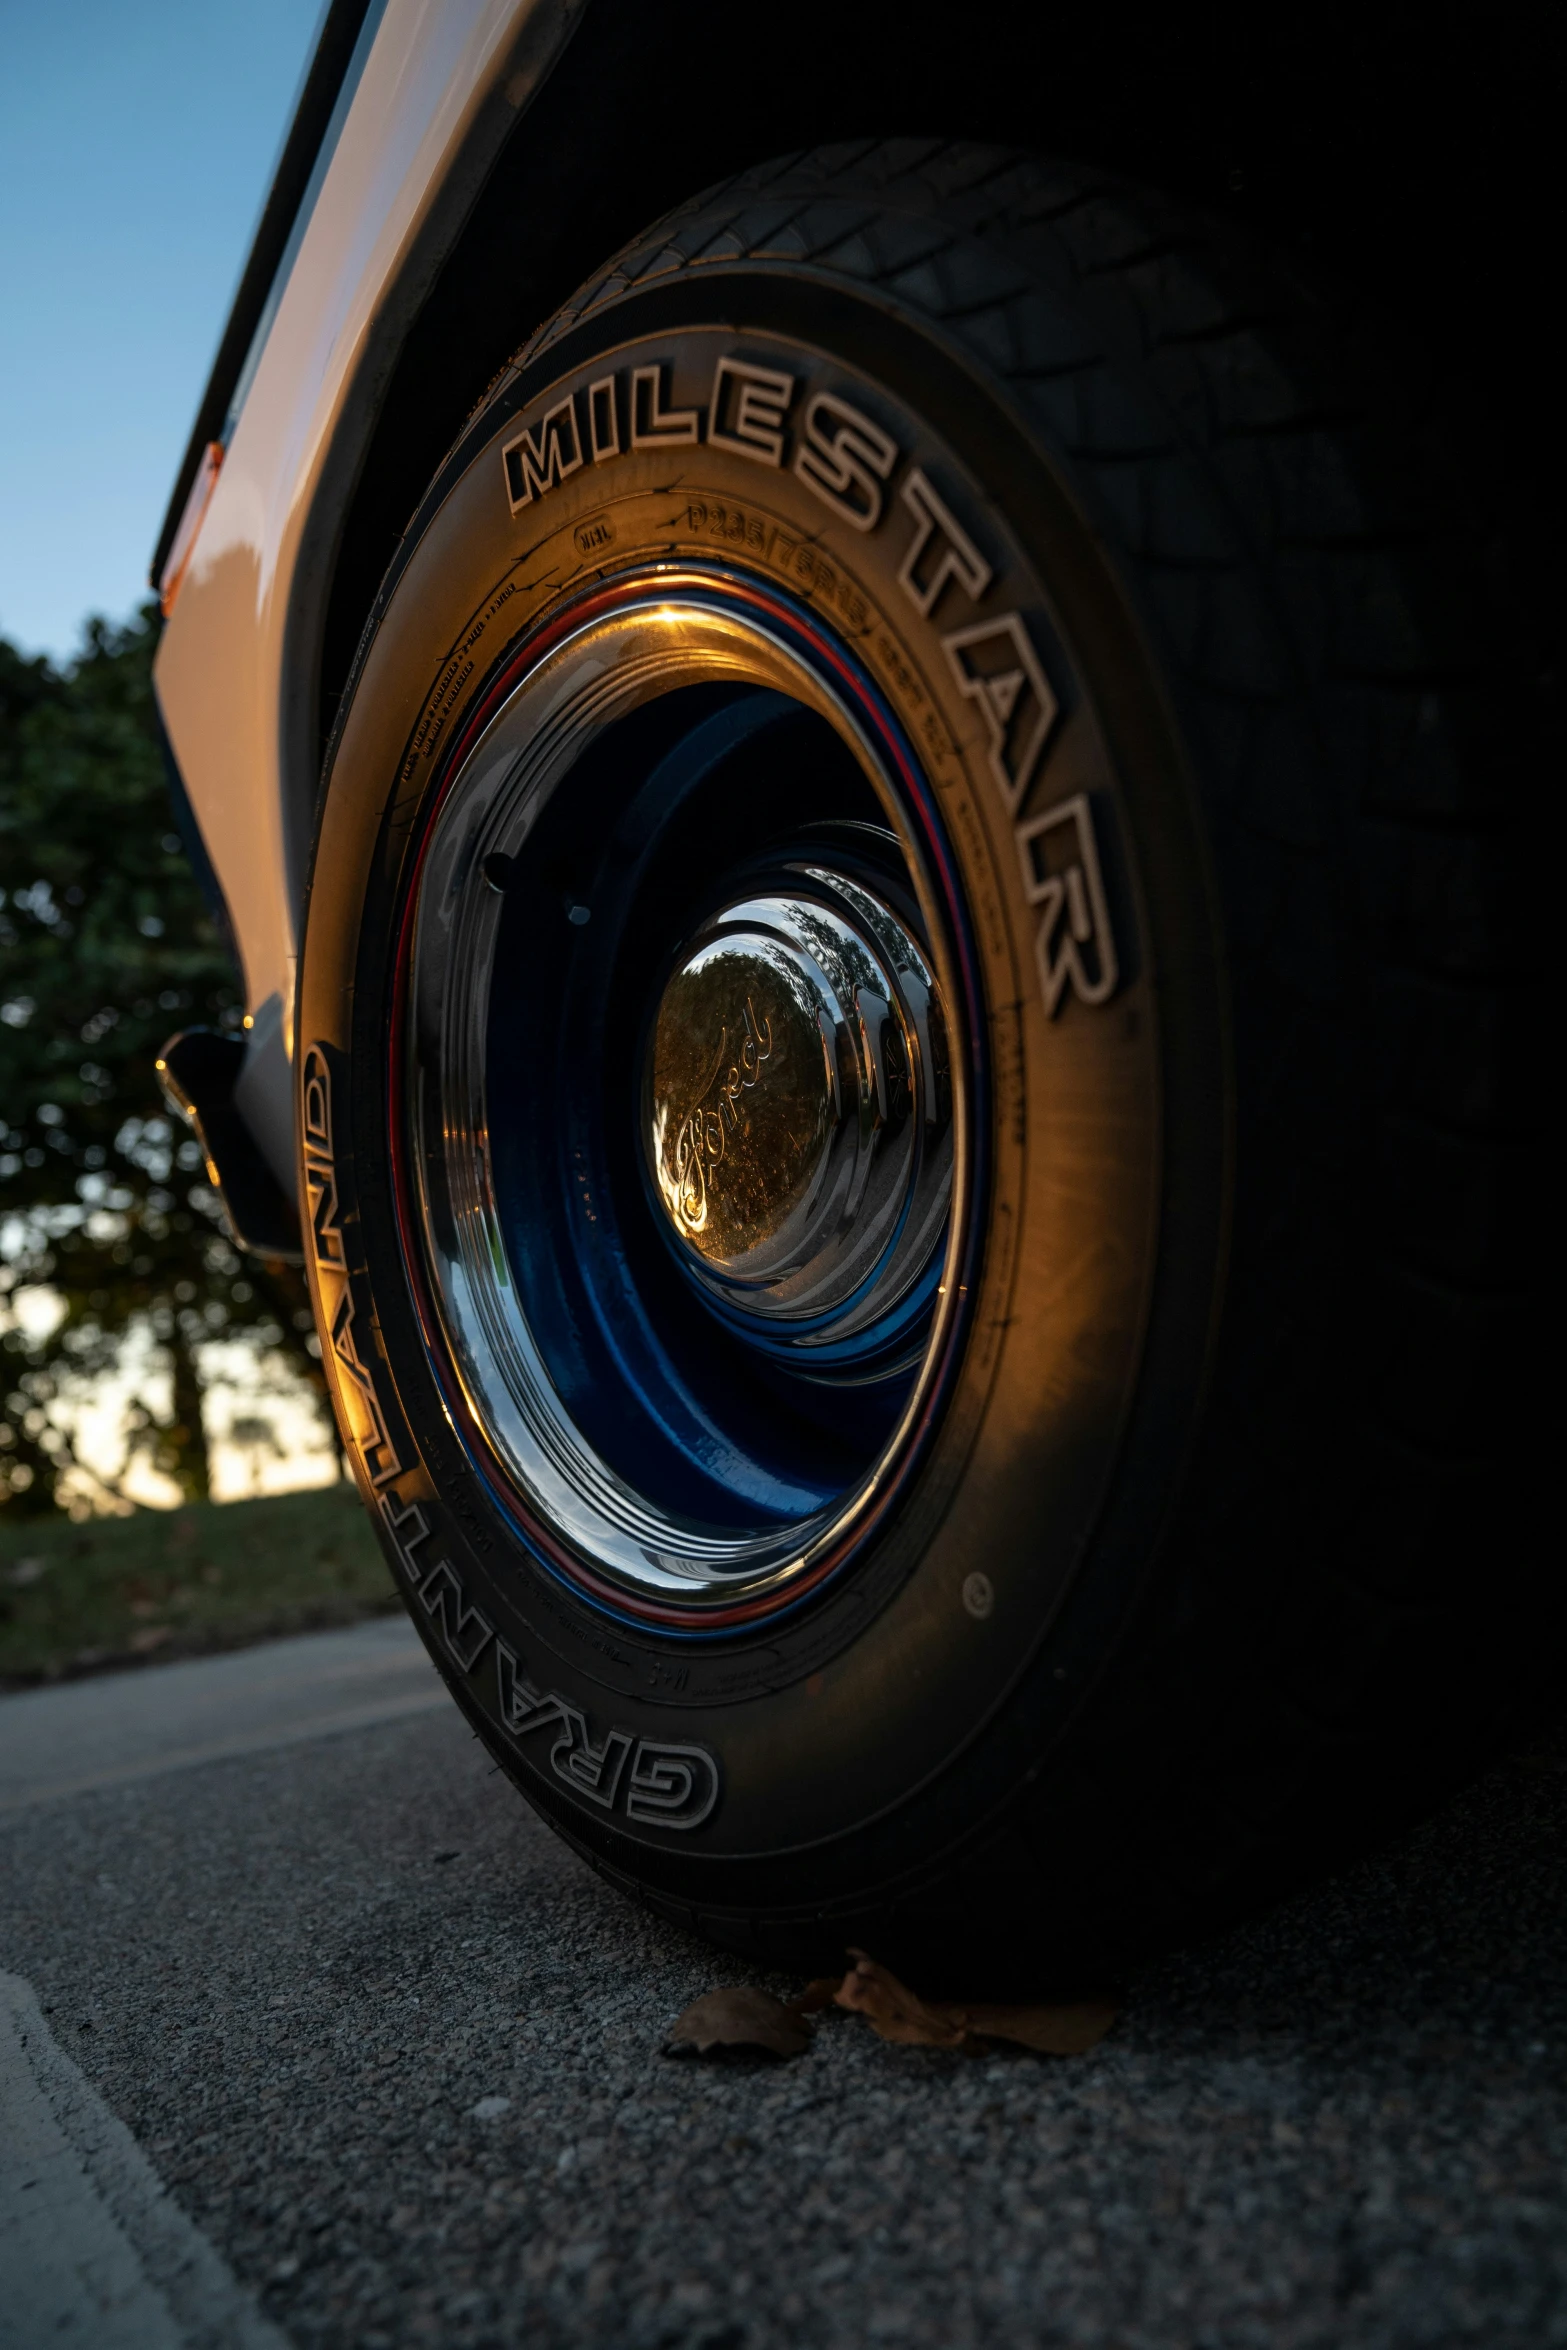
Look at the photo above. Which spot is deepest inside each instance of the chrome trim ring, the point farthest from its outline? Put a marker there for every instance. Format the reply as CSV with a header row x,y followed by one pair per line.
x,y
861,1281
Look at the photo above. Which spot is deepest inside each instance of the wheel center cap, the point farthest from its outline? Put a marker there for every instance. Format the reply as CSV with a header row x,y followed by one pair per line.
x,y
794,1069
744,1094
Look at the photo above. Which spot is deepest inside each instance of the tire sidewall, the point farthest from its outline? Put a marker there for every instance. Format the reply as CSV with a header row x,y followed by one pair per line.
x,y
852,1730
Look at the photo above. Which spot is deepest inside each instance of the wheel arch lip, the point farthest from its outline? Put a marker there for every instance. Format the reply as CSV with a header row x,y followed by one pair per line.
x,y
403,111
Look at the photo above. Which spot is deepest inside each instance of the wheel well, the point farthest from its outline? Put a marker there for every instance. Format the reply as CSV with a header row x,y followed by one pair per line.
x,y
1406,150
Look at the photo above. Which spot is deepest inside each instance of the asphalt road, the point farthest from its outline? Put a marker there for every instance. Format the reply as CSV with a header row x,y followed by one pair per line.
x,y
395,2055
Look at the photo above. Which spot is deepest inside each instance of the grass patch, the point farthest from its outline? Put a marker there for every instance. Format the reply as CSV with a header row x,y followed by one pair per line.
x,y
168,1583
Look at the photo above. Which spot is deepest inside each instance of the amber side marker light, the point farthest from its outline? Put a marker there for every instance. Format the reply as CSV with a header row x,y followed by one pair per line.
x,y
191,520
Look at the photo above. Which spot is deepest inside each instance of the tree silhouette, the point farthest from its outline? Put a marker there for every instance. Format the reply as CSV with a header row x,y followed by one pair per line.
x,y
105,950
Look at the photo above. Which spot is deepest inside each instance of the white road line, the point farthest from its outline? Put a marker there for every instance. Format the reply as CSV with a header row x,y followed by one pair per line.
x,y
119,1727
92,2250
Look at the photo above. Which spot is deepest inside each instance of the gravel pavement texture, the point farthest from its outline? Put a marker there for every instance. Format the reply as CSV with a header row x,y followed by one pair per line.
x,y
397,2053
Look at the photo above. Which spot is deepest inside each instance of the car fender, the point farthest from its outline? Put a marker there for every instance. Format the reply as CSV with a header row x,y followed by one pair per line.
x,y
439,85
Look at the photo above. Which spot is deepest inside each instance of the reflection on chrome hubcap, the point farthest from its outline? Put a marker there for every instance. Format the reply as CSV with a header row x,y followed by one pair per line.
x,y
799,1104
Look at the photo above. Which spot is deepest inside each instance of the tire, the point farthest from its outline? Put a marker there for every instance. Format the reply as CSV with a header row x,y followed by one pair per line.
x,y
1086,594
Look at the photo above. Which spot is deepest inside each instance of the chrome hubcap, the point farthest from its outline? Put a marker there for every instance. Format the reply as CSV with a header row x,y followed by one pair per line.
x,y
799,1105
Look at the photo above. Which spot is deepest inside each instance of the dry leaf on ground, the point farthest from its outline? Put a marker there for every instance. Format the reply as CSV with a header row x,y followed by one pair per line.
x,y
899,2014
1070,2029
893,2010
738,2019
725,2022
816,1995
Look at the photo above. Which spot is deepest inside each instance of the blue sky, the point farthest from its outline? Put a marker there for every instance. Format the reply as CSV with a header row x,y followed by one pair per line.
x,y
137,139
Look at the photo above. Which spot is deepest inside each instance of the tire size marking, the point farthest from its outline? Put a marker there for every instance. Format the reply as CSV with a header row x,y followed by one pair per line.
x,y
651,1781
848,462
